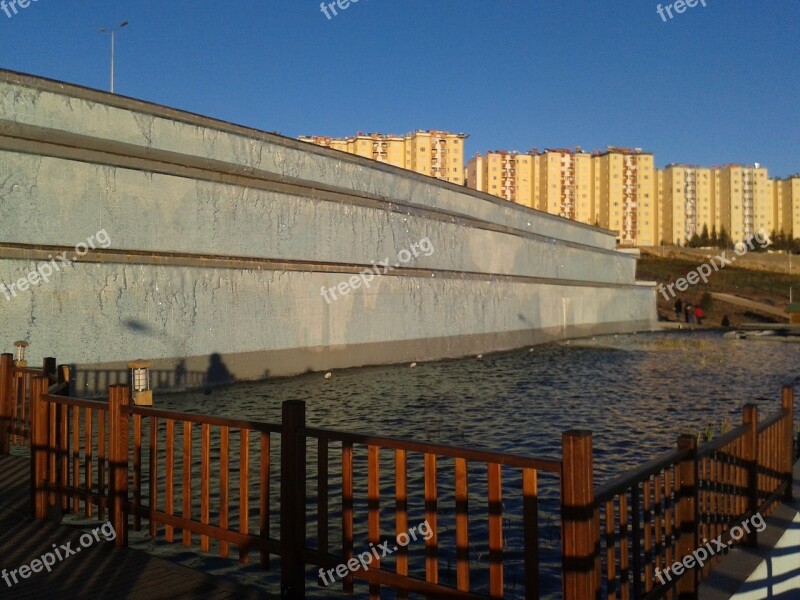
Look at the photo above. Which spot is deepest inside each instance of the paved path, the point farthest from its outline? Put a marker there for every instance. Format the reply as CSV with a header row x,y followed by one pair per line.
x,y
759,306
99,571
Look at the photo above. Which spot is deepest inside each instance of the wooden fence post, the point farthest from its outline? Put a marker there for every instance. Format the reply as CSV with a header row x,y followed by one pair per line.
x,y
580,522
788,404
6,385
49,368
118,417
293,499
750,418
688,516
41,445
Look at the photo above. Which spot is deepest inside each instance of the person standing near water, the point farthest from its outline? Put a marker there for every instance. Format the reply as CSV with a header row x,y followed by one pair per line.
x,y
678,309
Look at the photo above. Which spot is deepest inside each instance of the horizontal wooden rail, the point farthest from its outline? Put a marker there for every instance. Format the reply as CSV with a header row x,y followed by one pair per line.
x,y
623,482
205,419
487,456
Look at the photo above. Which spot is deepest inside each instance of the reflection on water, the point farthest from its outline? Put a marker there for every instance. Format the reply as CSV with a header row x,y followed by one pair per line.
x,y
635,392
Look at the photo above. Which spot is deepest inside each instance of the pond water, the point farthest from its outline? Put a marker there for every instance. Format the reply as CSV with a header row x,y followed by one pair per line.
x,y
637,393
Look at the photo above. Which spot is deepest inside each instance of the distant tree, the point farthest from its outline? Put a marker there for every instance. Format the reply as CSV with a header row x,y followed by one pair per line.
x,y
724,240
704,239
713,239
694,241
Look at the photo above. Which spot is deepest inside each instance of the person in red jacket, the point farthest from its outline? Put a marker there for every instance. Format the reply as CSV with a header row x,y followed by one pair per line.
x,y
698,312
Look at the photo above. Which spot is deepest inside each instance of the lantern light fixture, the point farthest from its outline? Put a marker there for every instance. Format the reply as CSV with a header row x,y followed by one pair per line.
x,y
140,382
20,348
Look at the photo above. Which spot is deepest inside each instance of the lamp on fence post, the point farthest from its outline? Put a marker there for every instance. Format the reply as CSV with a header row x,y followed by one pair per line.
x,y
19,354
140,383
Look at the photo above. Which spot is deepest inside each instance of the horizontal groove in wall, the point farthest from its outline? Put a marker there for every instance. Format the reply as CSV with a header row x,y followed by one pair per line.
x,y
132,257
193,119
28,139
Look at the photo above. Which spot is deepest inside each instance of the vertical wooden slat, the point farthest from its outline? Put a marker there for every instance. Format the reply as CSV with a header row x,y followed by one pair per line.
x,y
169,477
88,457
431,513
6,408
624,563
787,448
462,525
636,532
137,471
495,531
101,460
63,453
611,546
401,512
322,494
224,483
205,482
153,475
40,446
347,511
187,480
53,451
263,523
244,490
687,510
374,509
658,521
530,515
76,457
648,535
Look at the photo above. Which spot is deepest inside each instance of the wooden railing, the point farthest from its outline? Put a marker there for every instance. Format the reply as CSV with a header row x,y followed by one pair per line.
x,y
210,482
654,516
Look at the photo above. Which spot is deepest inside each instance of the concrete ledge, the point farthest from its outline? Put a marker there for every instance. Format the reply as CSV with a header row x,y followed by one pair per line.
x,y
770,571
216,369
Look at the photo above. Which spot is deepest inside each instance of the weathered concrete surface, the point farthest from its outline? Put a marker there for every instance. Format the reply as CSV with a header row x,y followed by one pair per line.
x,y
221,238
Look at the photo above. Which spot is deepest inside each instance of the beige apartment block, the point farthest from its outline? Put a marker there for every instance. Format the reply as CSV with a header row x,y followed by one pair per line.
x,y
438,154
787,205
626,195
508,175
564,184
686,202
745,197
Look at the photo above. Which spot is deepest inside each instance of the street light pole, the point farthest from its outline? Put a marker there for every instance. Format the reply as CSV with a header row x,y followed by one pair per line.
x,y
113,31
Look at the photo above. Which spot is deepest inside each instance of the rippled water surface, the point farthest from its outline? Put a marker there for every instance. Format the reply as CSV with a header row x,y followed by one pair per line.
x,y
635,392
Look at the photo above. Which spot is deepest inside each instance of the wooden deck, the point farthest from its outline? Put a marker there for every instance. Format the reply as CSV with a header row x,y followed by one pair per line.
x,y
99,571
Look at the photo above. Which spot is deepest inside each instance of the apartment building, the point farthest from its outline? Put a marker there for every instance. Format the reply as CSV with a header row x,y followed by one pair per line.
x,y
744,200
786,209
508,175
684,195
564,184
438,154
625,195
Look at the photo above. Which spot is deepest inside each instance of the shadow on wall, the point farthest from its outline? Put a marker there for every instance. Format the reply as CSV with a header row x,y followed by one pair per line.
x,y
95,382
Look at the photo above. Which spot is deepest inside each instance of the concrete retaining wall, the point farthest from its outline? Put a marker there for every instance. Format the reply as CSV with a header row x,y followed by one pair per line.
x,y
221,238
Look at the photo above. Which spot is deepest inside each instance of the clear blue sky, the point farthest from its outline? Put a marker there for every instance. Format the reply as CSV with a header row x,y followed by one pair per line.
x,y
713,85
